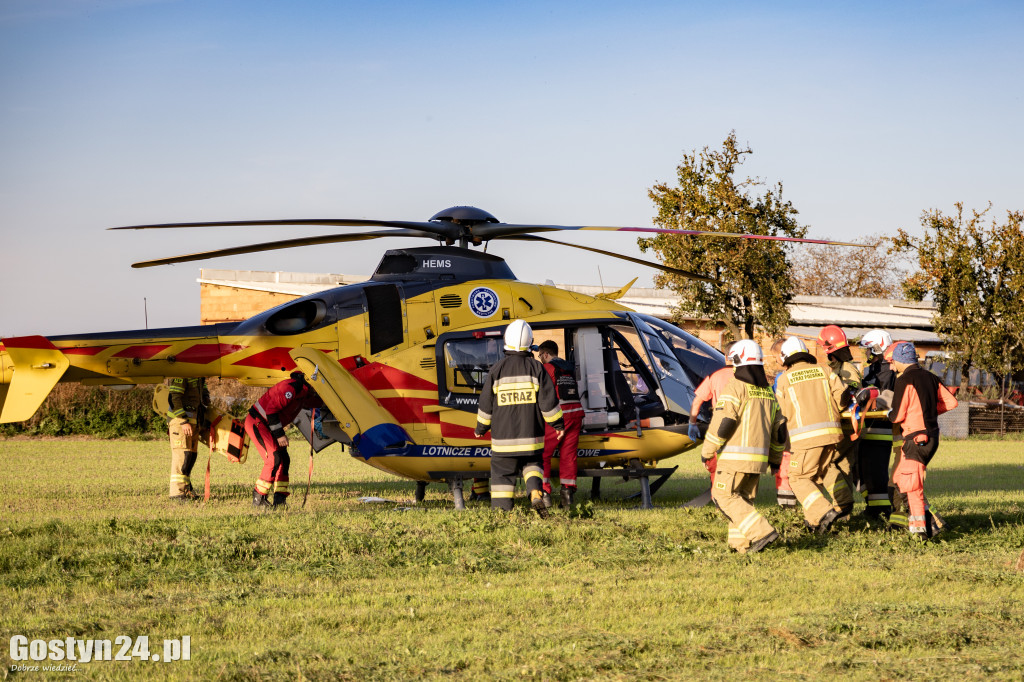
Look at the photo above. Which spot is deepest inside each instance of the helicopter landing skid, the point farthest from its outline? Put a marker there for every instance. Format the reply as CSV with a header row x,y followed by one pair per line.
x,y
454,480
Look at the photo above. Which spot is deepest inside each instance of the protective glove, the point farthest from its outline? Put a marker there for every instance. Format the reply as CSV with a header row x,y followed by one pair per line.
x,y
707,457
774,469
693,431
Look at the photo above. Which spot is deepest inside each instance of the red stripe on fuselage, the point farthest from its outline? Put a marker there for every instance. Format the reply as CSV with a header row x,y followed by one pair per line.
x,y
378,377
34,342
410,410
141,352
205,353
87,350
273,359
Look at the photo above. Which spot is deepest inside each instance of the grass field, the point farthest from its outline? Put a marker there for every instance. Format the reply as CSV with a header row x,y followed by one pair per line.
x,y
91,548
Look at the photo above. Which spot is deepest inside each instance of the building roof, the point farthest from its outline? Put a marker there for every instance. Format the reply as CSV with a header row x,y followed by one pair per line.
x,y
904,320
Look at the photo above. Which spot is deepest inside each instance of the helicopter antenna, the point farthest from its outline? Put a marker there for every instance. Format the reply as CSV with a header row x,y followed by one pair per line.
x,y
600,279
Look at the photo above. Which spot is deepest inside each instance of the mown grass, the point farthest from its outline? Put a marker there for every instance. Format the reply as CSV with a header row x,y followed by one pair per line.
x,y
90,547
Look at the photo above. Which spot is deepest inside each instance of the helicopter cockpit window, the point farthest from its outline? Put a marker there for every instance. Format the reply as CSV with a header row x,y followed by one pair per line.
x,y
697,357
467,362
297,318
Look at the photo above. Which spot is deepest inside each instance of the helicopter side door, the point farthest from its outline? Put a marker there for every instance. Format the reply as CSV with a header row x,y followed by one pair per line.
x,y
674,388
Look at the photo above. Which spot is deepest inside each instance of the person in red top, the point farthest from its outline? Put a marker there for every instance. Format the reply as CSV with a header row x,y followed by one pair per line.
x,y
708,392
265,425
918,399
563,376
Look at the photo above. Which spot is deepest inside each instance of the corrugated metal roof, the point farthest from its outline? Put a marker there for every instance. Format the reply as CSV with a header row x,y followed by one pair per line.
x,y
897,333
904,319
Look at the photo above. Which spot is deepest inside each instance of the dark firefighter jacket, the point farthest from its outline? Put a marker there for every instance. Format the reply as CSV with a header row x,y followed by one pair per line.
x,y
918,400
517,399
186,397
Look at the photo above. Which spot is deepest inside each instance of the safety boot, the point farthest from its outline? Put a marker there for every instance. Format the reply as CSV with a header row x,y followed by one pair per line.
x,y
567,496
844,512
763,542
826,521
280,501
260,501
537,502
546,496
188,495
479,497
934,524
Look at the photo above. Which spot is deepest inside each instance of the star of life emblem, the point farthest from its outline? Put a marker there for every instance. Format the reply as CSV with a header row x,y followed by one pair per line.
x,y
483,302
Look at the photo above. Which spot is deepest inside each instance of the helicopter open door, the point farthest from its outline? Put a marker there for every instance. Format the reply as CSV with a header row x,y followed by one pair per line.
x,y
674,389
371,428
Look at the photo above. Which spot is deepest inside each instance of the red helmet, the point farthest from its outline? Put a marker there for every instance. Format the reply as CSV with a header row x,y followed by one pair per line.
x,y
832,338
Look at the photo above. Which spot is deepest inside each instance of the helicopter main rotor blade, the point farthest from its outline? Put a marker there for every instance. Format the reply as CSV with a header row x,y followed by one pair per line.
x,y
657,266
499,230
447,230
283,244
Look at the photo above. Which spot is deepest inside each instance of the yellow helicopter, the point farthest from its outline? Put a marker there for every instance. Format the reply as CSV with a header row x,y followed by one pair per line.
x,y
399,360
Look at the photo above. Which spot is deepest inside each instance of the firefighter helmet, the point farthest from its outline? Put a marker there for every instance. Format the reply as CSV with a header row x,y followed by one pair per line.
x,y
792,346
518,336
877,340
745,352
832,338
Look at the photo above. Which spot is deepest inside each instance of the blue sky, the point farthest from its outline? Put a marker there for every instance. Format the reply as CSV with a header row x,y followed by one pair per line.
x,y
117,112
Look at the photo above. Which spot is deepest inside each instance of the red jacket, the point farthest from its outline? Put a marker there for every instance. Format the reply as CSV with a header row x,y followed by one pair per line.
x,y
281,404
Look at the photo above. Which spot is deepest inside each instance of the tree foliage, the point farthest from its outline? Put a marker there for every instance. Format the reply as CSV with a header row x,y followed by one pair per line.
x,y
823,270
974,271
754,275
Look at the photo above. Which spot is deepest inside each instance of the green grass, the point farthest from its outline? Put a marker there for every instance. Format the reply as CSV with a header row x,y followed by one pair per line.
x,y
90,547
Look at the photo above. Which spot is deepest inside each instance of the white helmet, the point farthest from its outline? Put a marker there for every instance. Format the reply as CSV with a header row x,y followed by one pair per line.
x,y
518,336
877,340
792,346
745,352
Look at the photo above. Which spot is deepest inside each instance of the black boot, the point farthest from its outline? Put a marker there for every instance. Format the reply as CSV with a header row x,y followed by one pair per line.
x,y
280,500
568,497
259,501
537,502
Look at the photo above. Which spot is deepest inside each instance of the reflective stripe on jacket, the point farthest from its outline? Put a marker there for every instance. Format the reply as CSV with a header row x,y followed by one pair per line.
x,y
185,396
758,438
810,396
516,401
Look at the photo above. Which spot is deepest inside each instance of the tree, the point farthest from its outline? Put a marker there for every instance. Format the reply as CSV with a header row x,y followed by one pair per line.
x,y
754,276
823,270
974,271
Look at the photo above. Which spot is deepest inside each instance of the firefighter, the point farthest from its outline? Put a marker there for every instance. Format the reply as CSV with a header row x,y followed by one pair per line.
x,y
265,425
517,400
784,495
188,400
708,391
812,399
747,434
918,400
877,435
840,359
563,376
